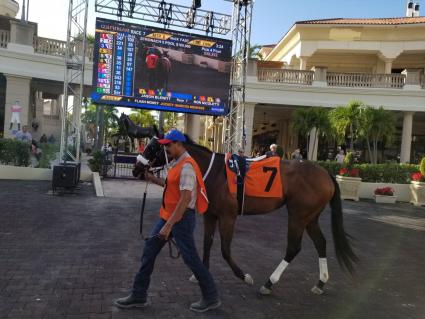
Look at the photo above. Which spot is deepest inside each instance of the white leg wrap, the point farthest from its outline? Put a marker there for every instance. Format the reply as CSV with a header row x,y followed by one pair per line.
x,y
274,278
323,267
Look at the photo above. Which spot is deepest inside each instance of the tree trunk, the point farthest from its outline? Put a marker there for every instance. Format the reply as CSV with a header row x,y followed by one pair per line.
x,y
375,151
351,138
369,150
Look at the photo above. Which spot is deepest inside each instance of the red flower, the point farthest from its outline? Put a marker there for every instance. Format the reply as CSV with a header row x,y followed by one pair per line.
x,y
386,191
418,177
354,172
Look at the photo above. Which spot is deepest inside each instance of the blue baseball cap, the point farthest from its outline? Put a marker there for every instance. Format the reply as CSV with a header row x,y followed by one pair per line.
x,y
172,136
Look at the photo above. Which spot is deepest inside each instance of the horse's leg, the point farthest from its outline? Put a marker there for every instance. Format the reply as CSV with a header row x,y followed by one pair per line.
x,y
210,223
227,227
313,230
295,234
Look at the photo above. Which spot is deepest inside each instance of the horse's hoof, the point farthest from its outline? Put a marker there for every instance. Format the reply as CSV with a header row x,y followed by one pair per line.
x,y
248,279
317,291
265,291
193,279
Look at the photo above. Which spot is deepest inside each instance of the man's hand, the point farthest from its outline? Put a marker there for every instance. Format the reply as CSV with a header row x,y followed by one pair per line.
x,y
165,231
149,176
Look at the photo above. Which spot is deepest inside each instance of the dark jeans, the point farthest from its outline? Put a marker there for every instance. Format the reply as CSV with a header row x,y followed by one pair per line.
x,y
183,235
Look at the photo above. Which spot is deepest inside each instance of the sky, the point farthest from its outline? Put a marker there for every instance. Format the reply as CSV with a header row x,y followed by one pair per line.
x,y
272,18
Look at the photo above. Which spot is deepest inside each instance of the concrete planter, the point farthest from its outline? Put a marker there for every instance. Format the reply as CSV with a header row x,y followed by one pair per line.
x,y
349,187
385,199
25,173
417,192
367,190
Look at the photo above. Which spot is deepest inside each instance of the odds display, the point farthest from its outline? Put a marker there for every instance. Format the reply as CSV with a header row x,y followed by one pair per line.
x,y
145,67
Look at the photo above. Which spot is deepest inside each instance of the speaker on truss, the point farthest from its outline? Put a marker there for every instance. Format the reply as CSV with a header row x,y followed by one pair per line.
x,y
196,4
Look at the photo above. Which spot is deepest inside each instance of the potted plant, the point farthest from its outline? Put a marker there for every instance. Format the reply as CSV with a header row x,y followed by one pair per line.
x,y
385,195
417,186
348,179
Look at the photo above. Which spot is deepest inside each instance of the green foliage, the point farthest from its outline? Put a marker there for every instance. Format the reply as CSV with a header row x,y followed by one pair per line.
x,y
170,120
48,153
279,151
95,163
349,160
377,173
422,166
143,118
376,125
345,119
14,152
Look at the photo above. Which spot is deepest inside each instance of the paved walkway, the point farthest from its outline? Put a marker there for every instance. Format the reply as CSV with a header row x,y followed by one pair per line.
x,y
70,256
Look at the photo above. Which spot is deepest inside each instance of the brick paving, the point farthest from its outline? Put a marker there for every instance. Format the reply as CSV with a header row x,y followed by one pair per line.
x,y
70,256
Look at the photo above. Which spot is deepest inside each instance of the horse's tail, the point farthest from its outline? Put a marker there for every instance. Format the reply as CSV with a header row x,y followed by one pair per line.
x,y
344,253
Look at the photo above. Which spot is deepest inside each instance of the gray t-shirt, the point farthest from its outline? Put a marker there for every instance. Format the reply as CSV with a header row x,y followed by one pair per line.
x,y
187,179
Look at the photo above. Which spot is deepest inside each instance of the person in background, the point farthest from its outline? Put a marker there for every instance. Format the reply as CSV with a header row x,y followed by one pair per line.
x,y
51,139
272,151
340,157
24,135
141,147
151,64
43,138
296,155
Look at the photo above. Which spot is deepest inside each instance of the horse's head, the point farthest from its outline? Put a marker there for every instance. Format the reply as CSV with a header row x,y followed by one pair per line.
x,y
139,168
154,153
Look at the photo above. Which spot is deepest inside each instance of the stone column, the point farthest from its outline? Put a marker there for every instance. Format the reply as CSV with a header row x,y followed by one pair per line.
x,y
303,63
249,126
413,79
406,138
21,37
17,90
388,65
192,126
313,145
320,76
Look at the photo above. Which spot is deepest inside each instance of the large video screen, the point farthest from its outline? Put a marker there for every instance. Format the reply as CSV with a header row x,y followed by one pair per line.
x,y
145,67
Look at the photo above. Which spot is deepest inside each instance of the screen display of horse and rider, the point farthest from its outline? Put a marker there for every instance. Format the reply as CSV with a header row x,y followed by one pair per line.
x,y
145,67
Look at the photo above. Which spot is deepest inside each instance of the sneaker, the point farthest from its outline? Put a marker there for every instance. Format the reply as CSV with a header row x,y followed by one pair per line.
x,y
203,305
131,301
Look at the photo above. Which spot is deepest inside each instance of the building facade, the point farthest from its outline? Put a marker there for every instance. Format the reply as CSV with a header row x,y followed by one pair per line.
x,y
328,63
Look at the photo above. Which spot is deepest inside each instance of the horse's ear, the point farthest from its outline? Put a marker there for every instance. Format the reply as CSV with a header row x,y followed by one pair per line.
x,y
156,131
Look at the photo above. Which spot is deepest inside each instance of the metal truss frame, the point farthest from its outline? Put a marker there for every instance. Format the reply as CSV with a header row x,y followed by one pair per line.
x,y
234,123
166,13
75,59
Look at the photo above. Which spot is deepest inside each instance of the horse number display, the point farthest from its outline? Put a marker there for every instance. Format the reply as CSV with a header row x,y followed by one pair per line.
x,y
271,178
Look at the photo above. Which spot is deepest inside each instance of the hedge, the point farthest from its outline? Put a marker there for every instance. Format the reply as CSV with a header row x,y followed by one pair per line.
x,y
377,173
14,152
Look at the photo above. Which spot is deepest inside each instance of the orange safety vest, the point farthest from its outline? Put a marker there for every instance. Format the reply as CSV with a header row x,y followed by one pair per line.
x,y
171,195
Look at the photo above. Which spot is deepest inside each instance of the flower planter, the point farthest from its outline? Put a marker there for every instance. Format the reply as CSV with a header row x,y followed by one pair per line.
x,y
417,193
385,199
349,187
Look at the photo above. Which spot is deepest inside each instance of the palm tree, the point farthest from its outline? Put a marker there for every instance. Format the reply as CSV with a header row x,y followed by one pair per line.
x,y
143,117
376,125
346,118
305,120
254,52
111,120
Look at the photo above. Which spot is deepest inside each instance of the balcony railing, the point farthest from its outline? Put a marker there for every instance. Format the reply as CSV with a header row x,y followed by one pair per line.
x,y
285,76
365,80
49,46
4,38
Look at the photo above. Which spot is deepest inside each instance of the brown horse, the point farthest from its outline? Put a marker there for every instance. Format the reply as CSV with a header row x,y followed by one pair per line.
x,y
308,189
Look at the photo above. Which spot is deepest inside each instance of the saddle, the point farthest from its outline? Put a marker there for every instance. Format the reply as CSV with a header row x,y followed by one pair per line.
x,y
254,177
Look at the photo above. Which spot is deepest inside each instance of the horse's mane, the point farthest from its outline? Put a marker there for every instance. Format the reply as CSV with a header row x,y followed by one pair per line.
x,y
189,141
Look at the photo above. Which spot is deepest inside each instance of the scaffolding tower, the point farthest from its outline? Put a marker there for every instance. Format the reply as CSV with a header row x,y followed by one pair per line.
x,y
75,59
234,123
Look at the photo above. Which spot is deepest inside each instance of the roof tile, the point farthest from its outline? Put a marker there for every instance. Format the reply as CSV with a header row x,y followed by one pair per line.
x,y
377,21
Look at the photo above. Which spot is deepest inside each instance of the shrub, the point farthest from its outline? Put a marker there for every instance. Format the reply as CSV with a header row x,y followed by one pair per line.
x,y
48,153
14,152
349,160
422,166
95,163
377,173
279,151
